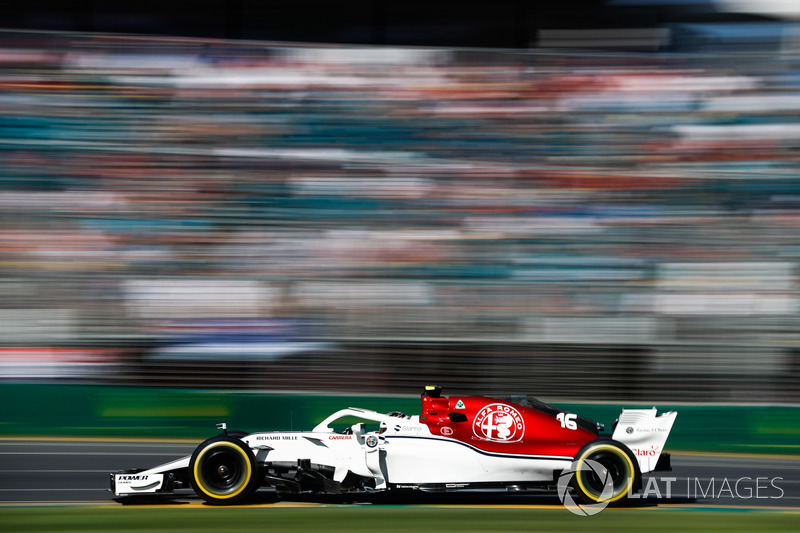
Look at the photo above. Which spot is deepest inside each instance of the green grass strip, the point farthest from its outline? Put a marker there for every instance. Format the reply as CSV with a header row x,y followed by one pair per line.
x,y
384,519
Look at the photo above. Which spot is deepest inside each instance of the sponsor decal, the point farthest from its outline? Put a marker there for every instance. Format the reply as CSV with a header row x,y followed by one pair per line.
x,y
499,422
372,441
340,437
129,483
127,477
446,431
644,452
460,405
629,430
278,437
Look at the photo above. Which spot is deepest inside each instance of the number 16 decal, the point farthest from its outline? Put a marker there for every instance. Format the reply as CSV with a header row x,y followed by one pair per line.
x,y
567,420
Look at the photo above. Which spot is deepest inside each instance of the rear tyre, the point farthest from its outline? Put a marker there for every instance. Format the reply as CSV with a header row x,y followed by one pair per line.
x,y
223,471
621,472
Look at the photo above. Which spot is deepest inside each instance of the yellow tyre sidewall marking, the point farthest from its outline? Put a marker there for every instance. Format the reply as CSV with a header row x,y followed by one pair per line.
x,y
199,480
619,453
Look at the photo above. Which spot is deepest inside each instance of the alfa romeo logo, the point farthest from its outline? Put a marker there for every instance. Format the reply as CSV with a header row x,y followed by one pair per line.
x,y
499,422
585,509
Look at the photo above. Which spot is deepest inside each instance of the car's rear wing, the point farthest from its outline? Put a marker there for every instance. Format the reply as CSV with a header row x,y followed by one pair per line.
x,y
645,434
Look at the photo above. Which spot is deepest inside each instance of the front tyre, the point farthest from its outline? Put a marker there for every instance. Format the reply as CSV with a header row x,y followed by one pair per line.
x,y
223,471
621,472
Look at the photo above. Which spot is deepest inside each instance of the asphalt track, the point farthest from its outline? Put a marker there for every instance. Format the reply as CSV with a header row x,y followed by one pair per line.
x,y
75,472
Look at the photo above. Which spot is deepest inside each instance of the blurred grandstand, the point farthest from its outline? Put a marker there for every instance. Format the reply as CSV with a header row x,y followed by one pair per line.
x,y
601,226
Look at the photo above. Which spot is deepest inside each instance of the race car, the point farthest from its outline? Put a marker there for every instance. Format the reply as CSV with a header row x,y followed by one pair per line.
x,y
460,443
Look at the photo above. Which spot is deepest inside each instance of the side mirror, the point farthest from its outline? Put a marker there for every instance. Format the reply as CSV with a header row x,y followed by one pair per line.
x,y
359,428
457,417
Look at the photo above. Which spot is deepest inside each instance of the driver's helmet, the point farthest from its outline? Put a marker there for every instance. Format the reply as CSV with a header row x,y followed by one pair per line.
x,y
384,427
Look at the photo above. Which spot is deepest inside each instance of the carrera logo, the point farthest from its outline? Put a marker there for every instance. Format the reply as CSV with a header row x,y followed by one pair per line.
x,y
499,422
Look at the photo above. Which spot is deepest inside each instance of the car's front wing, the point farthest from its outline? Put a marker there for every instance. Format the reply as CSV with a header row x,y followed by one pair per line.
x,y
125,484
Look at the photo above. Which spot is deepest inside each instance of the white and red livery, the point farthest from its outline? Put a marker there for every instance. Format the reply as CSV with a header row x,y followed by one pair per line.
x,y
460,443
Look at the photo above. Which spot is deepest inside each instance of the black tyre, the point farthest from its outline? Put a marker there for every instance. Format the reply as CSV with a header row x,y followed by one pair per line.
x,y
621,470
223,471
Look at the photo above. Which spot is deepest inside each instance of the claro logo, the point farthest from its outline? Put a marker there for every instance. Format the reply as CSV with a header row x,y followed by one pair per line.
x,y
499,422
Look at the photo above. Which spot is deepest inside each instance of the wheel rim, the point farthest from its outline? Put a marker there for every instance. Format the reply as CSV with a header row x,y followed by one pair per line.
x,y
222,470
619,468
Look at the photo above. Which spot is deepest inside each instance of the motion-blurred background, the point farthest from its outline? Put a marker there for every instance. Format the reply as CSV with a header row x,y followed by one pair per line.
x,y
597,201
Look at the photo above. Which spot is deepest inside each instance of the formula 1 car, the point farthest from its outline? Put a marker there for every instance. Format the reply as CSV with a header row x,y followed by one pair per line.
x,y
461,443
